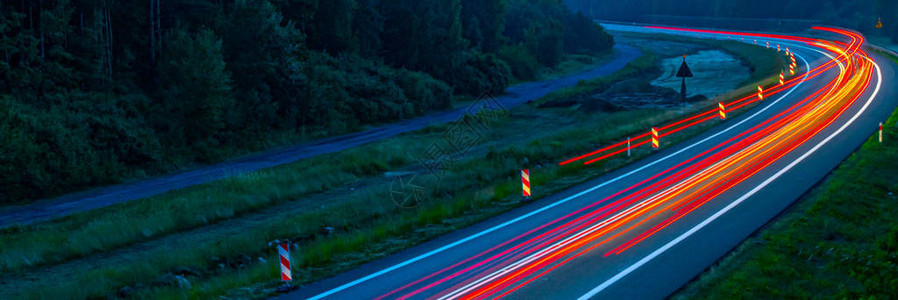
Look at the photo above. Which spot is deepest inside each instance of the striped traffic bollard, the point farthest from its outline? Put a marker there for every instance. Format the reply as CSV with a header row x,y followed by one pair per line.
x,y
284,253
782,77
756,41
722,111
760,93
777,47
525,181
655,143
880,132
791,70
768,45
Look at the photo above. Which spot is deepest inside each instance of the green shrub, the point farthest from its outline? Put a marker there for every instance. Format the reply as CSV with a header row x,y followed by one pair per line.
x,y
523,65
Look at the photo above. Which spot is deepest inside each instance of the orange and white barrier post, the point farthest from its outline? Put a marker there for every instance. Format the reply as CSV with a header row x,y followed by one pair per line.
x,y
655,143
880,132
722,111
768,45
777,47
782,78
628,146
286,271
792,70
525,181
760,93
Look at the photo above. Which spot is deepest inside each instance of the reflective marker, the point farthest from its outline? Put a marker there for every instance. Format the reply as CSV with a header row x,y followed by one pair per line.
x,y
284,253
525,180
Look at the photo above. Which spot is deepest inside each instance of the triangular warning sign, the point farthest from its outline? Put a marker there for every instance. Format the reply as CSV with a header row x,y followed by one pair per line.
x,y
879,23
684,69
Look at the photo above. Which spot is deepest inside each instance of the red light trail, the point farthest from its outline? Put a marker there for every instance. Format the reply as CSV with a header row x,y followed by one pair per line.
x,y
630,216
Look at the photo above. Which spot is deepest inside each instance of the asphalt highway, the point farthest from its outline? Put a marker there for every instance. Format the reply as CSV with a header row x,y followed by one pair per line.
x,y
643,231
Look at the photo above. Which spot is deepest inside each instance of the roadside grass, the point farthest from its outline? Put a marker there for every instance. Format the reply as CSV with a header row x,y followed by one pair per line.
x,y
120,225
642,65
368,226
839,241
764,67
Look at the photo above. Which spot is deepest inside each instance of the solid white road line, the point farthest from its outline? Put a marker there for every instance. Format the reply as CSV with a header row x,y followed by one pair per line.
x,y
571,239
713,217
559,202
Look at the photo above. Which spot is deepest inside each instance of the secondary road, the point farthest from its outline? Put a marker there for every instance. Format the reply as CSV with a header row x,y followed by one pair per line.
x,y
645,230
101,197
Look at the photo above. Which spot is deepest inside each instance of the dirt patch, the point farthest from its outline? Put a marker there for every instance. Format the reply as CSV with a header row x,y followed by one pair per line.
x,y
715,73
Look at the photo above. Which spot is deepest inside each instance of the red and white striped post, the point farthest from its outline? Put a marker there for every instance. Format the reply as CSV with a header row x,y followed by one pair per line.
x,y
760,93
286,271
768,45
722,111
525,181
880,132
655,143
782,77
777,47
756,41
791,69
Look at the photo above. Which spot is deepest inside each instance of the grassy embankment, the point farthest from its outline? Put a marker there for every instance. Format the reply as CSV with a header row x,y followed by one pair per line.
x,y
840,241
214,234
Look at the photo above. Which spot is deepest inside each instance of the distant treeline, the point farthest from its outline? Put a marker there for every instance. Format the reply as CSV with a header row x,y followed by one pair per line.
x,y
95,91
857,14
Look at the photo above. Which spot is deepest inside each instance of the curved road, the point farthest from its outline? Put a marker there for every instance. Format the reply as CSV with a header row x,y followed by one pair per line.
x,y
645,230
101,197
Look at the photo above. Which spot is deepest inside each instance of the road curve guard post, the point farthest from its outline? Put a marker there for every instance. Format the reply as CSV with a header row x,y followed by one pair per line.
x,y
655,143
760,93
286,270
880,132
722,111
791,70
525,182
